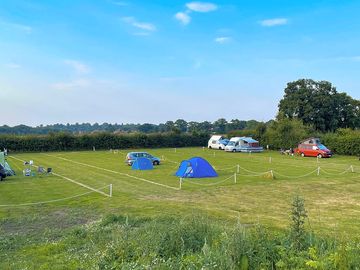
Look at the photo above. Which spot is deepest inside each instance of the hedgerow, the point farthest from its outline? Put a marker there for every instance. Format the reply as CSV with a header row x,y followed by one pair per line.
x,y
67,141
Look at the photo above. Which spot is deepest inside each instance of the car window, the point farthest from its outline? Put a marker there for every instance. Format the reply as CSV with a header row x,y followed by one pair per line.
x,y
322,147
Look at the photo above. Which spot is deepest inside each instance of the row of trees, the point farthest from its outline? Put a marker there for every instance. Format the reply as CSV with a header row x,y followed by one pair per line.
x,y
179,126
283,133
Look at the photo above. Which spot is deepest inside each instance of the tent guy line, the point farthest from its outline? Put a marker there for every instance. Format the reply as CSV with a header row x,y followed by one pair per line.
x,y
50,201
111,171
70,180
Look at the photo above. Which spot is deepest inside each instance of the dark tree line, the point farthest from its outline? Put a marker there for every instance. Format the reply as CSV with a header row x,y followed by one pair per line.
x,y
179,126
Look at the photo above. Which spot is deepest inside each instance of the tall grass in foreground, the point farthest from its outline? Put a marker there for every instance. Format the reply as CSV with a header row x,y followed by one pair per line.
x,y
194,242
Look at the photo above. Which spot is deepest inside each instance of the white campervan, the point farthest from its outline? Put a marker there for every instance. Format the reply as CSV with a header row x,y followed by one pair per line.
x,y
217,142
243,144
233,143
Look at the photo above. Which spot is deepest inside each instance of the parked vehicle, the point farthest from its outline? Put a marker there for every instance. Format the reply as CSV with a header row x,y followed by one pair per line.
x,y
2,172
132,156
243,144
312,147
217,142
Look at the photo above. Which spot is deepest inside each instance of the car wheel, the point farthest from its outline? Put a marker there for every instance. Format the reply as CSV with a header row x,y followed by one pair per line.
x,y
220,148
156,162
302,154
234,151
319,156
210,147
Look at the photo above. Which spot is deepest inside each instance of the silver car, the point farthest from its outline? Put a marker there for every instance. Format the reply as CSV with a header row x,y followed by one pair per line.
x,y
132,156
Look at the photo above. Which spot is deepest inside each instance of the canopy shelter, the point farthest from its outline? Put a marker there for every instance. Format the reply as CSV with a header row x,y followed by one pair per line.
x,y
142,163
6,165
195,167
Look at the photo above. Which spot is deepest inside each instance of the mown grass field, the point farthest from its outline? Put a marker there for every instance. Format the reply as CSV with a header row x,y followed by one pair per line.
x,y
332,198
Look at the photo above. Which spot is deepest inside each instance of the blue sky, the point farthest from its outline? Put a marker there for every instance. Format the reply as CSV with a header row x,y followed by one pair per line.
x,y
129,61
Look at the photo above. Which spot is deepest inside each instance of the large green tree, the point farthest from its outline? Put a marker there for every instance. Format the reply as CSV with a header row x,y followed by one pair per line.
x,y
319,104
285,133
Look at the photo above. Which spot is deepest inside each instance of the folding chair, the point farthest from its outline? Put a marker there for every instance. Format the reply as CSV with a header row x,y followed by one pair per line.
x,y
41,170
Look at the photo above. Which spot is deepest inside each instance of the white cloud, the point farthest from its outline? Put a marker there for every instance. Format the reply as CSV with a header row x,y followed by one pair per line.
x,y
141,25
274,22
72,85
201,6
120,3
77,66
222,40
183,18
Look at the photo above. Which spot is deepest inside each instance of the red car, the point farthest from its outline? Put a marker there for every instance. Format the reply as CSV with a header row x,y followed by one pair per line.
x,y
312,148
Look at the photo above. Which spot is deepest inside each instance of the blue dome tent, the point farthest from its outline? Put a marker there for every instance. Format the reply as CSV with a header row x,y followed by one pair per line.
x,y
195,167
142,164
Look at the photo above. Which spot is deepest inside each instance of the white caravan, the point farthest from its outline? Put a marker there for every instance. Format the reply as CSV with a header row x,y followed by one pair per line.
x,y
217,142
243,144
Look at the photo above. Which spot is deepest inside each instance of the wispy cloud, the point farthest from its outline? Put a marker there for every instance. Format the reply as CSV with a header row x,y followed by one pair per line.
x,y
222,40
120,3
141,25
183,17
77,66
72,85
274,22
16,26
201,6
141,34
348,58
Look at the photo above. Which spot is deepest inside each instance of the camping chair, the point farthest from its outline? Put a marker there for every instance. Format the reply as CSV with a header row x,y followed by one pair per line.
x,y
27,172
49,171
41,170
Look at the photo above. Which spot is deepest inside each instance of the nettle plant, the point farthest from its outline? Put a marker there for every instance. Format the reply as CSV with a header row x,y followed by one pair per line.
x,y
297,224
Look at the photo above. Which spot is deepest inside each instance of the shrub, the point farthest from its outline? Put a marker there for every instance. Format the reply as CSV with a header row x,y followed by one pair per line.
x,y
102,140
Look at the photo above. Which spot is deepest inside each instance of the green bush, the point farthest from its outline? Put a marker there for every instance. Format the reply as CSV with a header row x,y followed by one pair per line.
x,y
344,142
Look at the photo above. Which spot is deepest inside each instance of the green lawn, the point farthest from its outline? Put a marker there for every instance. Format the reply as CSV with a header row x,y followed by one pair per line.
x,y
332,198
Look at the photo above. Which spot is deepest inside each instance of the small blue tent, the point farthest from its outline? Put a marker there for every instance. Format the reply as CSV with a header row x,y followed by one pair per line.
x,y
195,167
142,164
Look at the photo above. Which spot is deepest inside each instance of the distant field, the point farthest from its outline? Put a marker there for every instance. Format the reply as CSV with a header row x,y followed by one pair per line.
x,y
332,198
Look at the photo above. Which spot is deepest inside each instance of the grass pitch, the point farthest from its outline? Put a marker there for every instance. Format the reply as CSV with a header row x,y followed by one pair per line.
x,y
42,209
332,197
